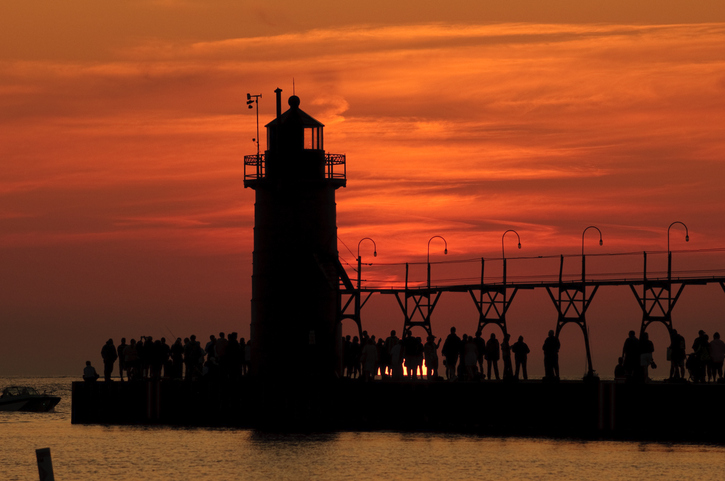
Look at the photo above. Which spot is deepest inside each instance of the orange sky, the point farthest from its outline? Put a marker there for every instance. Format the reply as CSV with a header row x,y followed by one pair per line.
x,y
123,129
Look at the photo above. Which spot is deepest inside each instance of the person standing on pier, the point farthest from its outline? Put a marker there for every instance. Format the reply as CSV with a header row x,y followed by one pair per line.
x,y
369,359
493,353
677,356
430,351
551,357
177,359
451,349
631,355
481,350
717,355
109,355
508,371
120,352
646,348
521,354
469,357
396,361
390,343
701,351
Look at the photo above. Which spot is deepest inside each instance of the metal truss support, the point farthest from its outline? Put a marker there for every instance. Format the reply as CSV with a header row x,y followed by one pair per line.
x,y
350,300
571,302
492,303
417,313
657,300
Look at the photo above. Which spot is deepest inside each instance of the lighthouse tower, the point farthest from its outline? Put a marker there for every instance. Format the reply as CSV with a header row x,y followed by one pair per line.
x,y
295,288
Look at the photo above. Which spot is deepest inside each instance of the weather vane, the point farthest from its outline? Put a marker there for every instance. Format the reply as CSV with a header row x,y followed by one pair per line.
x,y
254,99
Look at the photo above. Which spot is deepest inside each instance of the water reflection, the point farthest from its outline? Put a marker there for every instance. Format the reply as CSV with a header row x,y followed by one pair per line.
x,y
276,440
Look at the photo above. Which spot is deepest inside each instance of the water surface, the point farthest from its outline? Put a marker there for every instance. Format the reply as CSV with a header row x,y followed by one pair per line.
x,y
153,453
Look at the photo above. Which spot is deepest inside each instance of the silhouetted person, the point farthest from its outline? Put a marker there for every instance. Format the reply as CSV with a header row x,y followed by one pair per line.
x,y
177,359
89,373
461,369
209,348
677,355
470,357
109,355
451,350
233,357
551,357
508,371
521,355
646,348
146,353
191,358
620,373
120,350
369,360
413,350
396,361
132,361
701,351
717,355
155,359
492,355
430,351
630,353
220,347
355,351
347,358
390,343
383,358
165,353
480,349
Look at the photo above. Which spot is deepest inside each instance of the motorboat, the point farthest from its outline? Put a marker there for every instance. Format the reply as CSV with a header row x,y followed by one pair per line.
x,y
24,398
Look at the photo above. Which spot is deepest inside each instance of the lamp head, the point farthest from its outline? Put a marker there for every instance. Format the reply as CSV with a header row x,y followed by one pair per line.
x,y
249,96
445,251
687,238
375,253
600,242
519,245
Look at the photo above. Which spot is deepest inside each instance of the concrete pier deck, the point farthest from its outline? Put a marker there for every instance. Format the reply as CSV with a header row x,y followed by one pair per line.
x,y
653,411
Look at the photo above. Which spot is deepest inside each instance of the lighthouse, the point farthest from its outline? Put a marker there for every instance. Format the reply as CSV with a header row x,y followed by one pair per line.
x,y
296,271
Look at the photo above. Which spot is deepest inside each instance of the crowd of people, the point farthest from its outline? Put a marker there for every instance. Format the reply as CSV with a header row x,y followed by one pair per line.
x,y
463,358
224,356
703,364
469,358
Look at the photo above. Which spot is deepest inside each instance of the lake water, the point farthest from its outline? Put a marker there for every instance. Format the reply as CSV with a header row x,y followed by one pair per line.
x,y
161,453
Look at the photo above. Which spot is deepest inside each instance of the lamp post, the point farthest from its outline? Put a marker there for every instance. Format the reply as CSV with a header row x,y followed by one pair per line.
x,y
503,252
359,259
600,243
669,253
445,252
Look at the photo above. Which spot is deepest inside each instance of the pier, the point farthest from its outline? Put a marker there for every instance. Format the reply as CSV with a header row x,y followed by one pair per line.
x,y
592,410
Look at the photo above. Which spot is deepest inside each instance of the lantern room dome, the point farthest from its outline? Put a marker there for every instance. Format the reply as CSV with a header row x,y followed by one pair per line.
x,y
295,116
